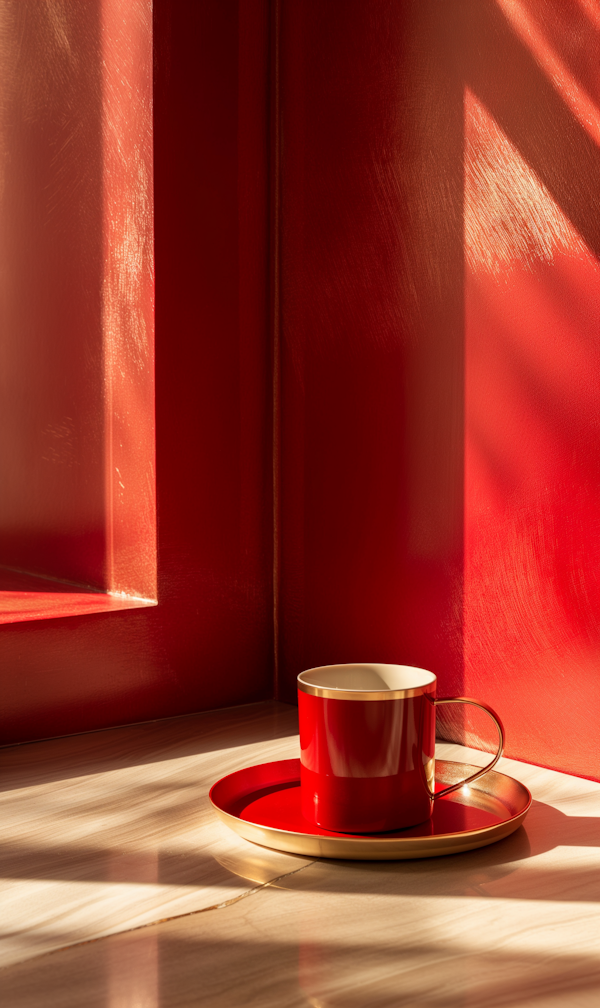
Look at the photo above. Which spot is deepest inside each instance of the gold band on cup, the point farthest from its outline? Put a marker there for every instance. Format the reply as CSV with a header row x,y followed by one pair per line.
x,y
331,692
339,694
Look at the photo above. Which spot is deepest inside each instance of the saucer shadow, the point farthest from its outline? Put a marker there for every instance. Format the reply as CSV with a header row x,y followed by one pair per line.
x,y
502,870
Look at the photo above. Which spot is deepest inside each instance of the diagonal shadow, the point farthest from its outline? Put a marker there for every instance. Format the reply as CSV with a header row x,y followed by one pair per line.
x,y
575,36
501,71
505,867
222,963
61,759
503,870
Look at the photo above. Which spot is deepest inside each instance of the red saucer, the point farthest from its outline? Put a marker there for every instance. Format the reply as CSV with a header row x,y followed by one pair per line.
x,y
262,804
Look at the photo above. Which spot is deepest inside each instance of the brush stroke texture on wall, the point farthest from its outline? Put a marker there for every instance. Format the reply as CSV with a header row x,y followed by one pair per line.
x,y
52,507
76,301
532,437
435,235
440,309
76,291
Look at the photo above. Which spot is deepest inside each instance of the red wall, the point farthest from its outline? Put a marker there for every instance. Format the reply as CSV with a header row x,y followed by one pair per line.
x,y
434,293
127,322
51,395
532,486
372,337
76,304
439,278
208,643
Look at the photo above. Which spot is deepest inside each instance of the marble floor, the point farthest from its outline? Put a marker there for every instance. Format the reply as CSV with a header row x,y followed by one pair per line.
x,y
121,889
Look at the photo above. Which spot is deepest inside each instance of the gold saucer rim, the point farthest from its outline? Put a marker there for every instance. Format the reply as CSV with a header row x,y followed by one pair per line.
x,y
502,788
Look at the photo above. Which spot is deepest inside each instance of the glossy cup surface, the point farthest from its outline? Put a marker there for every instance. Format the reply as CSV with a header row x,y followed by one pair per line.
x,y
367,740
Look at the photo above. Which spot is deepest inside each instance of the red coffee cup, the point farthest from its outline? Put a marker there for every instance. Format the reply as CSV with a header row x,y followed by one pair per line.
x,y
367,741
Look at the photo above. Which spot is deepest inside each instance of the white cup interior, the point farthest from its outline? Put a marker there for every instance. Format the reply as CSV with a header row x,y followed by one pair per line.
x,y
368,676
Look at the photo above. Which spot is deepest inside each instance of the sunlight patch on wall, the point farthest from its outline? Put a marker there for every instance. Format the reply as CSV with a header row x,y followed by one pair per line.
x,y
510,217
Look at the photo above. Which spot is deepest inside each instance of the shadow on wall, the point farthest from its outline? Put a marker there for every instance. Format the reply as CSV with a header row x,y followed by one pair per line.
x,y
76,356
371,335
439,302
52,412
532,486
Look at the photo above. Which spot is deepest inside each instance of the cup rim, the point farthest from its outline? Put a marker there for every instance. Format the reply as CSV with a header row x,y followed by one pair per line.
x,y
328,691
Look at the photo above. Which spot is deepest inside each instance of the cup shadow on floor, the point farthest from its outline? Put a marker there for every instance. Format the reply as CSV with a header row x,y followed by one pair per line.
x,y
505,869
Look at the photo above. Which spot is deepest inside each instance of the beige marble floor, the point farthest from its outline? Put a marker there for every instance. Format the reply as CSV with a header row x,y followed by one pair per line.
x,y
112,830
106,832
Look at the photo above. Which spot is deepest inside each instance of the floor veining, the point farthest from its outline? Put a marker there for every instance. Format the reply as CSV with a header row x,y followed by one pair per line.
x,y
120,888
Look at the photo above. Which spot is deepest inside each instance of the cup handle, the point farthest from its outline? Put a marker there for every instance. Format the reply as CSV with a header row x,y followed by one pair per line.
x,y
483,770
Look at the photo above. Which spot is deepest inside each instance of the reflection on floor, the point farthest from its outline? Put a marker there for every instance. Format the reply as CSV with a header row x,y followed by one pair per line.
x,y
108,832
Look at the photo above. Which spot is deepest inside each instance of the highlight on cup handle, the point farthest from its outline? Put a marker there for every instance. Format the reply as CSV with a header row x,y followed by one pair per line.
x,y
488,766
